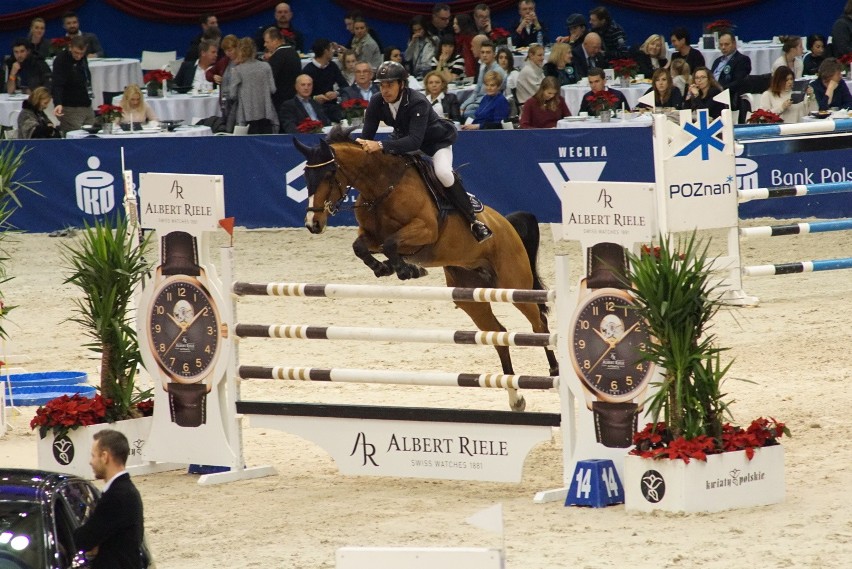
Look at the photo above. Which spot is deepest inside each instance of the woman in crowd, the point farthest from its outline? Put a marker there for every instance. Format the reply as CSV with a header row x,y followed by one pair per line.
x,y
447,62
41,45
392,53
665,93
559,64
651,55
33,122
251,88
530,75
778,98
420,50
506,60
465,29
792,56
445,104
494,108
220,73
829,87
546,107
701,92
134,109
816,46
348,59
680,73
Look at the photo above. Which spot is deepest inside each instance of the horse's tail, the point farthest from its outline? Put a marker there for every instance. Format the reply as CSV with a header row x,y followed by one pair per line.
x,y
526,224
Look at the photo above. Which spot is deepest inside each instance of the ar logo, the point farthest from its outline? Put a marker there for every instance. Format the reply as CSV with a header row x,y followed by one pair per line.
x,y
366,449
653,486
63,450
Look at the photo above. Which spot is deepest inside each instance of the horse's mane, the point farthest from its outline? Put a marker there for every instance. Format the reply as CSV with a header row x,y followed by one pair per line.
x,y
340,134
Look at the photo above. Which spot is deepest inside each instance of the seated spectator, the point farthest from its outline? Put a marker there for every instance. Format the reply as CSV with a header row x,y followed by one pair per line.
x,y
482,19
283,23
683,50
134,109
363,87
38,44
194,73
651,55
251,86
586,55
347,65
71,23
666,95
560,65
732,67
493,108
577,30
445,104
487,62
440,26
829,87
701,92
25,70
530,75
681,77
529,29
364,46
220,73
506,61
792,55
328,79
392,53
465,30
349,22
420,50
447,62
816,47
33,122
597,82
207,22
301,107
612,35
546,107
841,31
778,98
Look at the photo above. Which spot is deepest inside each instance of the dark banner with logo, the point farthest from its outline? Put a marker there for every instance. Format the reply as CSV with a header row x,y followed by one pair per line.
x,y
509,170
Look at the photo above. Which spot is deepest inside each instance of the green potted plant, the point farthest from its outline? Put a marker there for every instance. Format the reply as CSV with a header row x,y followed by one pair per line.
x,y
675,293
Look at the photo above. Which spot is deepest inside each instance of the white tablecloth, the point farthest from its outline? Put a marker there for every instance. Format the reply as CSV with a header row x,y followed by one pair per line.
x,y
595,122
182,107
762,55
573,95
113,74
8,105
147,133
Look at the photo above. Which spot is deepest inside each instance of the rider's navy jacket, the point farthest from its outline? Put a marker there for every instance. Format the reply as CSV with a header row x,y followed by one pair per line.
x,y
416,127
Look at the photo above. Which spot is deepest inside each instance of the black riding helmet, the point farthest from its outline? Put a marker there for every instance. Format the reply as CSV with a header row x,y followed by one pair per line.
x,y
391,71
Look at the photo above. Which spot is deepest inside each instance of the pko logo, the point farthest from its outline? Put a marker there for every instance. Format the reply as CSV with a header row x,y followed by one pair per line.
x,y
298,195
95,189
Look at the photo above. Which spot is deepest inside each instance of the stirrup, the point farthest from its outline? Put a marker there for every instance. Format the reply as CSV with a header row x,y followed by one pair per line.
x,y
480,231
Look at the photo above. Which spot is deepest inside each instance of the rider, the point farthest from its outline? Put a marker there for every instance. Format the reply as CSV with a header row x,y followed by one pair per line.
x,y
416,126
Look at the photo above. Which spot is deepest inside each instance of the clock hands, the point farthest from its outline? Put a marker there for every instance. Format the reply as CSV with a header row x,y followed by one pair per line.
x,y
611,342
184,326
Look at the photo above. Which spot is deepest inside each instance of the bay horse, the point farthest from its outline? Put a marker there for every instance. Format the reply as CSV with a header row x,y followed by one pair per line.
x,y
398,218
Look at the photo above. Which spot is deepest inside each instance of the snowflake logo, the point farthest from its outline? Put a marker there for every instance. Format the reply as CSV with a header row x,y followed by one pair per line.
x,y
704,136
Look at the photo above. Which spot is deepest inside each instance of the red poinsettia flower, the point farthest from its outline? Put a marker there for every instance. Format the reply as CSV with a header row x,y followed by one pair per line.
x,y
498,34
157,75
719,26
626,67
761,116
602,100
308,125
60,42
68,412
353,104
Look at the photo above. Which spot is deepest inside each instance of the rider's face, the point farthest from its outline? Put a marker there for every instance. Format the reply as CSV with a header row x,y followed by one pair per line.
x,y
390,90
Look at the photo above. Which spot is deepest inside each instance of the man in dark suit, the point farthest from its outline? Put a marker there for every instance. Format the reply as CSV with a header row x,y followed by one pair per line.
x,y
363,87
295,110
597,81
588,54
731,68
112,535
193,74
285,63
283,23
71,23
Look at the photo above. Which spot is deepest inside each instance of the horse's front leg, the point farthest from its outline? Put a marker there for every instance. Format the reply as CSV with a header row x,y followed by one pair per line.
x,y
411,237
362,251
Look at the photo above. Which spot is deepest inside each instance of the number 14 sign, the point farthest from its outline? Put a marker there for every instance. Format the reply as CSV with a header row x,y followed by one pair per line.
x,y
595,484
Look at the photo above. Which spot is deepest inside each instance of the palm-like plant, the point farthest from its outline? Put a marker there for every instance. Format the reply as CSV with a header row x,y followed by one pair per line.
x,y
107,264
675,293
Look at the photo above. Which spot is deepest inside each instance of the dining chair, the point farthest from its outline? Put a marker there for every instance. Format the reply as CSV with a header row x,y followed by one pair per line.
x,y
174,66
157,59
241,130
13,120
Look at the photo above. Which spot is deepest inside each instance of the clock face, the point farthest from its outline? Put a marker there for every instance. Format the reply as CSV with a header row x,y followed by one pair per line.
x,y
605,346
184,330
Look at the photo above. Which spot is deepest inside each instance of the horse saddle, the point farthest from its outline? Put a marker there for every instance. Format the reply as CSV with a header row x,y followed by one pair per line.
x,y
426,169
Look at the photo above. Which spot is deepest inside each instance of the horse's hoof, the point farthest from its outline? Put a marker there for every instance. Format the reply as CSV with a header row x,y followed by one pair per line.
x,y
519,405
383,270
406,272
421,272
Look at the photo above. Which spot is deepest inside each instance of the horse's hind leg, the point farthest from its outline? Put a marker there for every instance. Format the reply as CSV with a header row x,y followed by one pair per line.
x,y
538,321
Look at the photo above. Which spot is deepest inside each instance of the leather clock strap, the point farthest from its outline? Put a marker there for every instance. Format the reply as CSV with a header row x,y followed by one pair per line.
x,y
607,265
187,404
180,254
615,423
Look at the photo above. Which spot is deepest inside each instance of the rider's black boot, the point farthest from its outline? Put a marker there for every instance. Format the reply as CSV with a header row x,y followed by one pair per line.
x,y
460,199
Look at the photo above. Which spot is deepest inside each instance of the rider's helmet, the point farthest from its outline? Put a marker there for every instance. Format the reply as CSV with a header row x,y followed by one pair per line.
x,y
391,71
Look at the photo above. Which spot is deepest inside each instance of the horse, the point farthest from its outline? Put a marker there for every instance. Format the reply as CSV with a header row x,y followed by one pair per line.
x,y
398,217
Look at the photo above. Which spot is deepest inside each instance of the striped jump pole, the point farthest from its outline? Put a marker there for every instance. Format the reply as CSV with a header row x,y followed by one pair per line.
x,y
514,296
796,228
423,335
793,191
798,267
776,130
393,377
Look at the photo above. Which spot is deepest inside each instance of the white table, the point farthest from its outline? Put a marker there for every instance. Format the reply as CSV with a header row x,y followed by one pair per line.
x,y
111,74
182,107
147,133
8,105
643,120
762,55
573,95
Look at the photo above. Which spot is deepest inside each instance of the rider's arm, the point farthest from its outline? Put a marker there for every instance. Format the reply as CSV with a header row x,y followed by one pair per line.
x,y
418,120
372,116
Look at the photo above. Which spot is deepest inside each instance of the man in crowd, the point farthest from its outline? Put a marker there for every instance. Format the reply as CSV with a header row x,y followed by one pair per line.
x,y
71,23
285,63
207,21
597,83
364,46
72,84
283,22
487,62
441,25
529,29
612,35
363,87
26,71
349,22
482,18
682,49
114,532
577,30
588,54
731,68
194,73
328,79
301,107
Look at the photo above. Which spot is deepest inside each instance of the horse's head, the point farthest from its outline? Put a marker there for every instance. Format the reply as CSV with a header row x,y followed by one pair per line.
x,y
320,173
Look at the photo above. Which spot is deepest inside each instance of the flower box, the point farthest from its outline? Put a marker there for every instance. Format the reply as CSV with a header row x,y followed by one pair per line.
x,y
71,453
725,481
